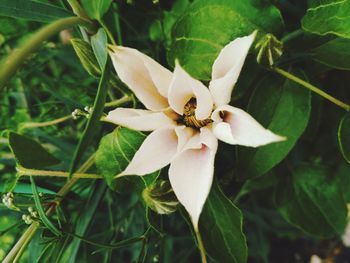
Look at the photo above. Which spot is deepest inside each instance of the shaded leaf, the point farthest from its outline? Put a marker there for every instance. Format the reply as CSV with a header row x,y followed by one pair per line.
x,y
85,219
334,53
220,226
29,153
32,10
283,107
344,137
310,199
208,25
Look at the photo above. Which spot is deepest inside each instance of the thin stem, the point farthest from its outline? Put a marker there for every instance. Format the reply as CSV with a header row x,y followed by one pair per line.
x,y
109,34
19,247
33,172
114,103
28,125
312,88
10,65
77,9
117,25
16,252
200,245
121,101
292,35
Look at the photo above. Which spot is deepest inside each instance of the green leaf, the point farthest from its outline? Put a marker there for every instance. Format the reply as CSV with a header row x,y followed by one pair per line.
x,y
311,200
330,17
96,8
41,211
114,154
220,226
334,53
32,10
86,56
29,153
23,188
283,107
99,46
344,137
94,118
208,25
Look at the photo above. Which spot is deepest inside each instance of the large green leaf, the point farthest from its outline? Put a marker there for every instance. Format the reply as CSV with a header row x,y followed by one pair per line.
x,y
329,17
208,25
96,8
29,153
114,154
283,107
334,53
344,137
32,10
220,226
311,199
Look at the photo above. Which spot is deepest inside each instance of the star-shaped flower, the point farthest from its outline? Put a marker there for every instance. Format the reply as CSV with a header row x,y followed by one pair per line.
x,y
186,119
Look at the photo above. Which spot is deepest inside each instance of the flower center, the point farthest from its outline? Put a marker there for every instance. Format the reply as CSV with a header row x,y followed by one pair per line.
x,y
189,116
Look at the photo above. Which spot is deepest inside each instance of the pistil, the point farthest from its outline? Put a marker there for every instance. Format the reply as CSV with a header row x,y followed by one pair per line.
x,y
189,117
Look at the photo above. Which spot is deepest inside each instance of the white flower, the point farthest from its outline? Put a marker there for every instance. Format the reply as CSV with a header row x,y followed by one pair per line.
x,y
186,119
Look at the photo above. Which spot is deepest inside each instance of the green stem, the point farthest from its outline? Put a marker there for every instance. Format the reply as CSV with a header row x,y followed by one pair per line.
x,y
114,103
33,172
10,65
28,125
292,35
117,24
312,88
77,9
17,250
121,101
109,34
200,245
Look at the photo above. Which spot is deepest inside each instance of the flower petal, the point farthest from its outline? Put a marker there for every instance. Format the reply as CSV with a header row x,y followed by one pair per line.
x,y
238,127
191,173
227,67
156,151
183,87
141,120
144,76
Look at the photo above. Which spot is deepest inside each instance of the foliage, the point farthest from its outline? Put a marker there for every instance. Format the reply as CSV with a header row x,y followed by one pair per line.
x,y
282,202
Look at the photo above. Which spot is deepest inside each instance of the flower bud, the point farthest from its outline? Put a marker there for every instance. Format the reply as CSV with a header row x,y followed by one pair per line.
x,y
160,197
269,50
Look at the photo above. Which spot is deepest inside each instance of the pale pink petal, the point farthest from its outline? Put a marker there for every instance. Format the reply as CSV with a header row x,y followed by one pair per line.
x,y
227,67
156,151
184,134
145,77
238,127
191,173
183,87
141,120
